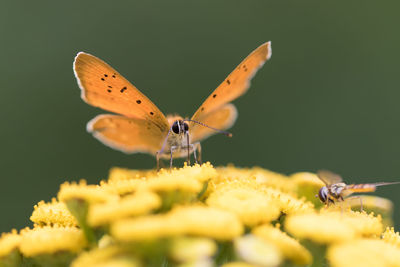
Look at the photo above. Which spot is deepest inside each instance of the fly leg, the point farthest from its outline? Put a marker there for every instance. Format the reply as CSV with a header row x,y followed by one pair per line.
x,y
354,197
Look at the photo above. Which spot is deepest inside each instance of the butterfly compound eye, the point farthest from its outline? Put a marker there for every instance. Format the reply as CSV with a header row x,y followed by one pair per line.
x,y
175,127
186,126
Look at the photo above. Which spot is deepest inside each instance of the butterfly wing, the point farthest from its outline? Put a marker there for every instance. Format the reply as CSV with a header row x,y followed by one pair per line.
x,y
129,135
222,119
237,82
104,87
329,177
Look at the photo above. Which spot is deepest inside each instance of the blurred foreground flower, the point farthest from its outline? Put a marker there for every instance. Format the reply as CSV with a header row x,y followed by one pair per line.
x,y
202,216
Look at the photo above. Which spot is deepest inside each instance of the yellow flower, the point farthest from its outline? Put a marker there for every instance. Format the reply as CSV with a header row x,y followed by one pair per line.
x,y
391,237
260,176
82,191
378,205
188,179
53,213
9,242
254,250
285,202
121,174
113,256
139,203
252,206
239,264
186,220
307,185
192,249
289,247
289,204
47,240
330,226
364,253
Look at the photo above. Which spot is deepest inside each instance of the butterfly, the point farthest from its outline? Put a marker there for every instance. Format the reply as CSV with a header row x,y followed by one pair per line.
x,y
141,126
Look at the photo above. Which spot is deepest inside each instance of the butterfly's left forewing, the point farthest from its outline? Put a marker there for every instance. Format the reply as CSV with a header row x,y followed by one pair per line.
x,y
103,87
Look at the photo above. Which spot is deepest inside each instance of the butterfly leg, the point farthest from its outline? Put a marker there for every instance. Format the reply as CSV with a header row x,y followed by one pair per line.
x,y
173,148
193,146
188,146
198,152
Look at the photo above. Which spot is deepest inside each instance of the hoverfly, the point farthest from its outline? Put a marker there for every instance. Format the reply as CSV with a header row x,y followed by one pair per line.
x,y
336,190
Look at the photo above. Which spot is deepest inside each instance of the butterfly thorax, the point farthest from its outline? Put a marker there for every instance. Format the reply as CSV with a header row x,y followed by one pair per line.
x,y
178,139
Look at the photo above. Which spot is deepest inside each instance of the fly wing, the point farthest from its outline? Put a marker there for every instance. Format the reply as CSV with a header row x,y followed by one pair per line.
x,y
329,177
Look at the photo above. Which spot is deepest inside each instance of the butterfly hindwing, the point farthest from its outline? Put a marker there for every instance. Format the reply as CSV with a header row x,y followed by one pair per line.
x,y
129,135
222,119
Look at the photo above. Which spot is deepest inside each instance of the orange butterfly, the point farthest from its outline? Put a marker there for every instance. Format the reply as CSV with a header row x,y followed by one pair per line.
x,y
141,126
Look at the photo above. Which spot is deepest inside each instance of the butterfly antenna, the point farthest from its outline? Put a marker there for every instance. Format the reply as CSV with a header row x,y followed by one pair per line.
x,y
219,131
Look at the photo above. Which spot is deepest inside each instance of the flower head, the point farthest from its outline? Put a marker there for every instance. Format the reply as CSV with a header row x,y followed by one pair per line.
x,y
259,175
364,252
142,202
255,250
391,237
186,220
53,213
192,249
289,247
333,226
47,240
252,206
113,256
9,242
82,191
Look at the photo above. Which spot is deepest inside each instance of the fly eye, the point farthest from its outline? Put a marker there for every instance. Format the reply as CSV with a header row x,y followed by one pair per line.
x,y
186,126
323,194
175,127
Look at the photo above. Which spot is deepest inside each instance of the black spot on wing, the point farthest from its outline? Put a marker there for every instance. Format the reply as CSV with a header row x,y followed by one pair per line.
x,y
109,86
214,95
109,90
138,101
228,81
151,113
105,75
102,79
123,89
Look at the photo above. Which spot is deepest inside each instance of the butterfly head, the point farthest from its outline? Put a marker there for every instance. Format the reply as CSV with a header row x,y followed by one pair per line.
x,y
180,127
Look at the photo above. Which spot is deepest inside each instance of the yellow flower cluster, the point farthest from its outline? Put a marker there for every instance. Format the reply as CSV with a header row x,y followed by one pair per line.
x,y
202,216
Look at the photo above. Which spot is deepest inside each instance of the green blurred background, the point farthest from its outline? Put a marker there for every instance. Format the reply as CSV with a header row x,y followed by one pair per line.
x,y
328,98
